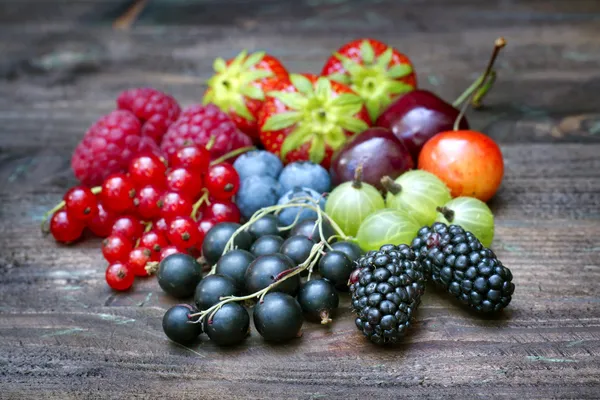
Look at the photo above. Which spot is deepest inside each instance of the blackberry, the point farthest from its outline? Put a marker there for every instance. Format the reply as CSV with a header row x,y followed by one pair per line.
x,y
457,261
386,292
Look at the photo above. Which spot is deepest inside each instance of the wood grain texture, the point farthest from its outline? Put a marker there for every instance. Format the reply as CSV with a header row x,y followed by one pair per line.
x,y
65,335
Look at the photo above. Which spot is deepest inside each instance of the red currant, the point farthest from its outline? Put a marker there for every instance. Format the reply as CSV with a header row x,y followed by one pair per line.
x,y
65,228
129,227
167,251
81,203
222,211
116,248
138,258
222,181
101,224
194,158
119,277
147,169
173,204
160,225
204,225
117,193
146,202
154,241
183,181
184,233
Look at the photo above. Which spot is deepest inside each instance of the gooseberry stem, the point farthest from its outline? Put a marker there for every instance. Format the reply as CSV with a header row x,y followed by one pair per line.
x,y
479,91
58,207
357,181
232,154
446,212
390,185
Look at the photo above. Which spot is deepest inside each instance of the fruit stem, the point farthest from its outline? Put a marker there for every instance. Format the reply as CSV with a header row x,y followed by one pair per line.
x,y
358,172
211,142
44,226
325,319
203,199
480,90
151,267
232,154
446,212
390,185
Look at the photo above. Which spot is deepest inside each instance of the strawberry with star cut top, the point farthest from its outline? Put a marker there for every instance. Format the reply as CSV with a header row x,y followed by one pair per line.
x,y
239,86
309,117
377,72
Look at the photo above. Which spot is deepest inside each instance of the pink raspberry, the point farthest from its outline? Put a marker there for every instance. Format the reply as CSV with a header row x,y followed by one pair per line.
x,y
108,146
156,110
197,124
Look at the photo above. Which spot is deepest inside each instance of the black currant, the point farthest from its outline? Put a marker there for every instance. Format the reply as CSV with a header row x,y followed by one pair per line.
x,y
297,248
310,229
267,225
234,265
318,299
278,317
178,275
178,326
263,271
210,290
352,250
218,236
267,244
336,267
230,325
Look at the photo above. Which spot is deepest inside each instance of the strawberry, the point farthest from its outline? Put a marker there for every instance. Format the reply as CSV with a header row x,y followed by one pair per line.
x,y
239,86
309,117
377,72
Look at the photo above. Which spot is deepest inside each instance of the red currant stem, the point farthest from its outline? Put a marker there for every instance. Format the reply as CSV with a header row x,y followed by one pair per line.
x,y
310,262
58,207
390,185
148,226
203,199
446,212
232,154
211,142
498,45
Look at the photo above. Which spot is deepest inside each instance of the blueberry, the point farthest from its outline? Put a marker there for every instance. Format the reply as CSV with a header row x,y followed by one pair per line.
x,y
217,237
257,192
278,317
210,290
178,326
267,225
287,216
265,245
178,275
305,174
263,271
310,229
258,163
229,325
318,299
234,265
297,248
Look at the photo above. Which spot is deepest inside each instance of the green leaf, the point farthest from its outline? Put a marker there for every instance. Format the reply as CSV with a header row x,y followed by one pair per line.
x,y
219,65
240,109
281,121
385,58
317,150
323,89
399,71
253,59
293,100
253,92
373,107
255,75
366,52
339,77
397,87
294,140
239,59
345,99
353,125
302,84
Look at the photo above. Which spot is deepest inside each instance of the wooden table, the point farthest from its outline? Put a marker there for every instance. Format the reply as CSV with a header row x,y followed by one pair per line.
x,y
64,334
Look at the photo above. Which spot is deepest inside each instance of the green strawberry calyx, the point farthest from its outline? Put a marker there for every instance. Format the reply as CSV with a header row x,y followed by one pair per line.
x,y
318,116
373,79
233,83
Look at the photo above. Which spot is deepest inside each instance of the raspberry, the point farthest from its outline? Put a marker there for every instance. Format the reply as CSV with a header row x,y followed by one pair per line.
x,y
197,124
156,110
108,146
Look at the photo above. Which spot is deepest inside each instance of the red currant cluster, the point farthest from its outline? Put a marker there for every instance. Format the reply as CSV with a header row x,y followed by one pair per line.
x,y
152,211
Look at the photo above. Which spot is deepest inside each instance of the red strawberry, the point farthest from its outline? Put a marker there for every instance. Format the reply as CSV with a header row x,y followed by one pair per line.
x,y
377,72
239,87
309,117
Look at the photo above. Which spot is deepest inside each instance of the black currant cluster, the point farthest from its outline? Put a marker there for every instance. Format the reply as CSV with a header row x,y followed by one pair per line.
x,y
265,264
